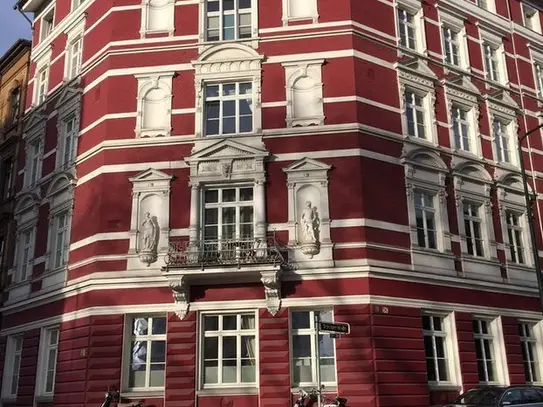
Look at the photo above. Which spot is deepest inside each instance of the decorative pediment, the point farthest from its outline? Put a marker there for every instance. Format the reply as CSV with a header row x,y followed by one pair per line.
x,y
469,170
226,58
421,157
227,159
462,84
307,164
415,66
501,101
35,122
27,202
150,175
70,92
60,183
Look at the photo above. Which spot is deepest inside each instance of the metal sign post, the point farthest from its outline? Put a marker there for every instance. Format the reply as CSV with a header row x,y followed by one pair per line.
x,y
317,354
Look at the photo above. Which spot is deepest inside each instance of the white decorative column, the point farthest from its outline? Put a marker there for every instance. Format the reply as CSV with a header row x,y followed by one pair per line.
x,y
260,209
194,226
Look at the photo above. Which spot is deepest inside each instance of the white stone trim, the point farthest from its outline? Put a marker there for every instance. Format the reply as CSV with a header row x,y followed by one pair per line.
x,y
148,83
147,8
309,6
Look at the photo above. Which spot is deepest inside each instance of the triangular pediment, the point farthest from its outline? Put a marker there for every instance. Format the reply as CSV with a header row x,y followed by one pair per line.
x,y
35,119
151,175
416,66
67,94
226,149
307,164
502,97
462,83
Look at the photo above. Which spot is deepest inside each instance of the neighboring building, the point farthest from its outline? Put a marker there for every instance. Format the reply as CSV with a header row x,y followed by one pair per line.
x,y
201,177
13,80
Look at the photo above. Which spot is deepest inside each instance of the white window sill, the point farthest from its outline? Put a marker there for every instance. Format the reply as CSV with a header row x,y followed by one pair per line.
x,y
444,387
432,252
141,394
44,398
206,43
480,259
8,399
220,390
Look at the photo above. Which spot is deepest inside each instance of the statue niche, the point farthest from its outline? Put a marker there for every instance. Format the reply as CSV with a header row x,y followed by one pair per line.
x,y
309,229
149,234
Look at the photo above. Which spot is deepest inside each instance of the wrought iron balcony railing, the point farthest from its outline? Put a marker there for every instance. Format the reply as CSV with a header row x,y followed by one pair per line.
x,y
230,252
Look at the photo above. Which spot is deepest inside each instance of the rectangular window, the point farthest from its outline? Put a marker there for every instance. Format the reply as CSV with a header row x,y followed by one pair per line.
x,y
484,348
461,130
530,17
14,350
435,349
407,29
26,254
451,46
14,106
528,344
229,350
7,178
426,223
60,236
228,19
304,350
491,62
228,214
75,51
501,141
33,163
483,4
48,367
514,234
147,353
415,112
41,85
472,224
228,108
47,23
69,135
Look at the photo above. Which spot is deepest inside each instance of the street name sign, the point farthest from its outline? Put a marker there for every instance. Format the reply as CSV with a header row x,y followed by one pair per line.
x,y
335,328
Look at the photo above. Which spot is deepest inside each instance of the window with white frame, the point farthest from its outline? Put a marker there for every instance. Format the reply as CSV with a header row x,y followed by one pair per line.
x,y
229,353
75,52
538,68
416,114
47,23
76,3
461,128
425,213
67,141
228,108
482,3
530,17
41,84
436,349
228,214
26,254
12,366
304,350
60,244
147,353
528,343
492,62
228,19
451,46
48,362
407,29
515,236
33,163
502,140
485,350
473,228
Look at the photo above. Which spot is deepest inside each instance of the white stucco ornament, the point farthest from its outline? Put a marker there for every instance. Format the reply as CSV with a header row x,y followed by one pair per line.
x,y
180,291
309,233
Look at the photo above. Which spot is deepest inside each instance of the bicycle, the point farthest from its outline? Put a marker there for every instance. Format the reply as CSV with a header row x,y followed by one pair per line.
x,y
114,397
313,395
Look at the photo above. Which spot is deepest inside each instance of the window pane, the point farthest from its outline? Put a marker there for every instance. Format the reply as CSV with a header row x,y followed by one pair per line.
x,y
428,347
229,89
229,371
440,349
212,6
158,351
228,4
211,371
245,124
442,368
229,195
246,214
211,196
326,346
229,322
328,370
156,378
211,348
302,371
300,320
244,4
248,371
246,194
247,347
159,326
229,125
247,322
229,108
229,347
301,346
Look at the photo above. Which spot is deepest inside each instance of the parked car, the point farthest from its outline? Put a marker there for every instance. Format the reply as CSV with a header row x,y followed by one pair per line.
x,y
500,396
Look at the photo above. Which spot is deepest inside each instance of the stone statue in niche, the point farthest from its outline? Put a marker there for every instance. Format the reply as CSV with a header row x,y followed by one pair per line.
x,y
149,239
309,224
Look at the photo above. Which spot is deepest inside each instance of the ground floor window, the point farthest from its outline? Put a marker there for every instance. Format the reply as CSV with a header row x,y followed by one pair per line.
x,y
147,352
528,343
304,350
229,349
484,348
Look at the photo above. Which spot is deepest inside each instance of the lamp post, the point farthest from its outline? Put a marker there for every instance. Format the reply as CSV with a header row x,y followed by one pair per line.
x,y
529,214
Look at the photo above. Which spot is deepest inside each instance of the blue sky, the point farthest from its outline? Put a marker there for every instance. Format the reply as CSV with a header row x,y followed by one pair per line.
x,y
12,25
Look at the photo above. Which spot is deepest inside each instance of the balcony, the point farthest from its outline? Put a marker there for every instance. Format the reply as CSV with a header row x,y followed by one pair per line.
x,y
230,261
225,253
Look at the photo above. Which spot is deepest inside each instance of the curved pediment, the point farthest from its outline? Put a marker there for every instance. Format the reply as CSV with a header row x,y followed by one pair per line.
x,y
27,202
60,183
472,171
226,59
425,158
